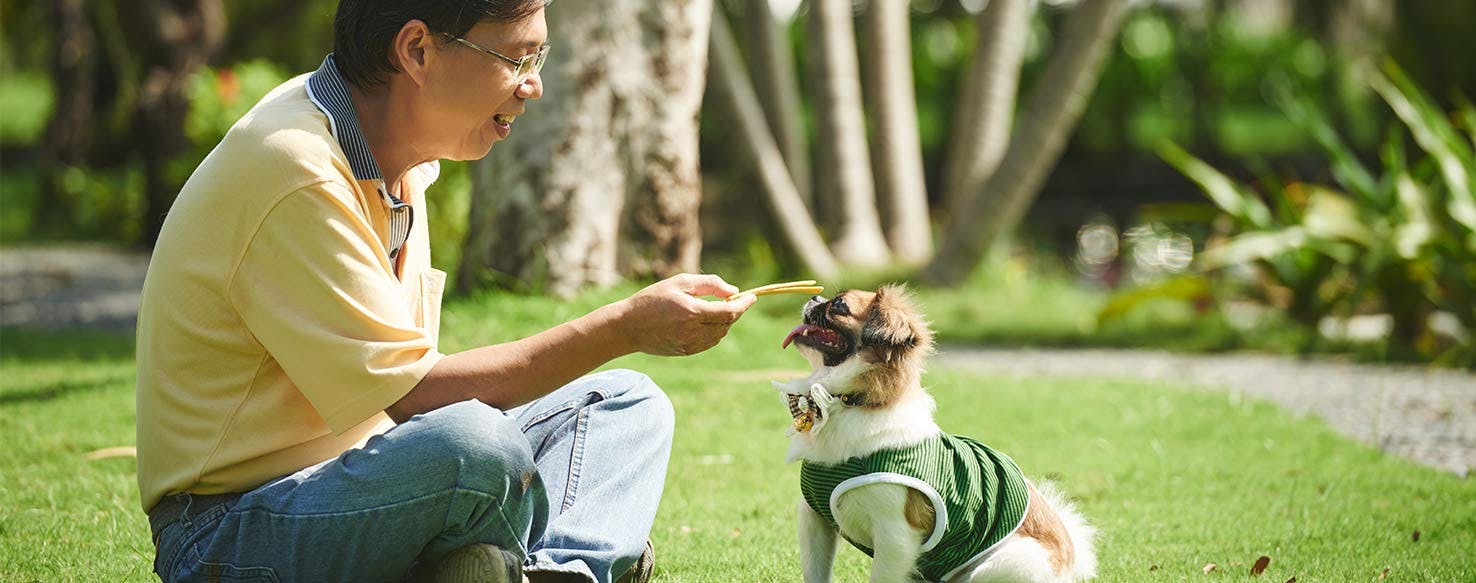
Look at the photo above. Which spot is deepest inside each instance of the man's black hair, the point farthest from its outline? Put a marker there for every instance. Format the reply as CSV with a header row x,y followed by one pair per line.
x,y
363,30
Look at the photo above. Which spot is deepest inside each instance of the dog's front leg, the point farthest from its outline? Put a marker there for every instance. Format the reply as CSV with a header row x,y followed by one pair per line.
x,y
877,513
895,548
817,544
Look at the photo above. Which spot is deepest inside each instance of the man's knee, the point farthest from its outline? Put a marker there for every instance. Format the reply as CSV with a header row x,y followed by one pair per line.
x,y
655,408
486,446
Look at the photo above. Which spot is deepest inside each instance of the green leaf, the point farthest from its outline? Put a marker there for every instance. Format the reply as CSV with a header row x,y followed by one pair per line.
x,y
1188,288
1255,246
1243,206
1417,229
1349,172
1434,135
1332,215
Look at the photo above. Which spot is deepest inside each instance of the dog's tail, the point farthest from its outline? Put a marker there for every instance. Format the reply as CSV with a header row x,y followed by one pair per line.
x,y
1083,535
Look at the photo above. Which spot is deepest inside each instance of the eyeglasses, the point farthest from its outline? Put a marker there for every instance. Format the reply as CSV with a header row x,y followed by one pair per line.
x,y
522,68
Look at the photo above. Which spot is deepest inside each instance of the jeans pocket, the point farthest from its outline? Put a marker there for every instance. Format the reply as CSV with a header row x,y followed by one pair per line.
x,y
195,568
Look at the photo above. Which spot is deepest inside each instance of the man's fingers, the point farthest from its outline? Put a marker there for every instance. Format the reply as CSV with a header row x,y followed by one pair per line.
x,y
726,312
705,285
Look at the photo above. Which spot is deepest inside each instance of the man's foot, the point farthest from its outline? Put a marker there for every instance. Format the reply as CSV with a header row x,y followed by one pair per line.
x,y
640,572
477,563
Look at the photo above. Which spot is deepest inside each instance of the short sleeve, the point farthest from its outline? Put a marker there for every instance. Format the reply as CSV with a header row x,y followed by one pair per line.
x,y
315,288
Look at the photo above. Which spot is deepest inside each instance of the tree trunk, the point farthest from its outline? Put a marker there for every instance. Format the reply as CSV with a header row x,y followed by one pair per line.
x,y
774,78
736,91
1051,113
69,131
985,108
661,235
898,154
844,180
611,144
175,38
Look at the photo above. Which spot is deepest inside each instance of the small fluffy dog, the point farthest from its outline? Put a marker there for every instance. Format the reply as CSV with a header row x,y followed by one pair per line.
x,y
876,468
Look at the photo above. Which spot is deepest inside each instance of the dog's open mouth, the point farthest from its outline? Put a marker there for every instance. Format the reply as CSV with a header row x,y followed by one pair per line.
x,y
818,337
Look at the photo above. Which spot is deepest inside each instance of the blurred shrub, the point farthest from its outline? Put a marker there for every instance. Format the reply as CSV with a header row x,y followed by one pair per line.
x,y
1399,239
218,98
26,100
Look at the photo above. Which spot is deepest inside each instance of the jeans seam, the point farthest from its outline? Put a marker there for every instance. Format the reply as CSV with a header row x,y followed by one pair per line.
x,y
249,572
549,414
576,458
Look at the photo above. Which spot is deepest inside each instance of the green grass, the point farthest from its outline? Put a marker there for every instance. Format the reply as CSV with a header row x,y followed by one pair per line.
x,y
1174,478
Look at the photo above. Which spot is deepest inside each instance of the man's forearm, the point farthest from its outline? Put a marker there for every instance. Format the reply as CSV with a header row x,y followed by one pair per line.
x,y
513,373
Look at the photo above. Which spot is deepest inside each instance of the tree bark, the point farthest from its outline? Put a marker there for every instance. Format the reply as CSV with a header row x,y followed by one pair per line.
x,y
733,87
774,77
898,154
844,181
1051,113
985,108
68,132
661,235
175,38
610,146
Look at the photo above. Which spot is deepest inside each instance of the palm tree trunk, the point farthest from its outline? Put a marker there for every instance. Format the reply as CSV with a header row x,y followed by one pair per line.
x,y
661,235
1051,113
985,107
844,180
69,131
774,78
898,154
607,158
175,38
735,90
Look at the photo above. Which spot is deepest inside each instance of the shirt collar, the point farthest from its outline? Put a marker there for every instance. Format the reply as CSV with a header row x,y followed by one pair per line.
x,y
327,89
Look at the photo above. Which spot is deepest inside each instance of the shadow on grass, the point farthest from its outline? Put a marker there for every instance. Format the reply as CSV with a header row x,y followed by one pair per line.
x,y
29,345
55,390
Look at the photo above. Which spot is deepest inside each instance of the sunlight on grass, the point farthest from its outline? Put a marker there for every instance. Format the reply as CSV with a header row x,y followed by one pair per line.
x,y
1174,478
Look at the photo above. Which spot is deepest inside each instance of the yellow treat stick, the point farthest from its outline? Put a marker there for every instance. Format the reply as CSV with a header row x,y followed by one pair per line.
x,y
801,283
781,290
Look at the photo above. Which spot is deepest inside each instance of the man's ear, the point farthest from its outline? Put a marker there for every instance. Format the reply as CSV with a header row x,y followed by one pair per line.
x,y
409,51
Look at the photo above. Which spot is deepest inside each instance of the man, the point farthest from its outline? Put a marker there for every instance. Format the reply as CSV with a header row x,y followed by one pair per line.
x,y
296,421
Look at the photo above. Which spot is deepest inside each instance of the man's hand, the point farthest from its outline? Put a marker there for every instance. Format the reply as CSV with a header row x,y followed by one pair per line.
x,y
668,319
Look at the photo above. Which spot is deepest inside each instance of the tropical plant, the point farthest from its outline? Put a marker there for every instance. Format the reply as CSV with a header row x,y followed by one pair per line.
x,y
1400,239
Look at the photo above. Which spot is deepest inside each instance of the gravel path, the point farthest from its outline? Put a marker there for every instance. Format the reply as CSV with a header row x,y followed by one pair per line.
x,y
71,287
1426,415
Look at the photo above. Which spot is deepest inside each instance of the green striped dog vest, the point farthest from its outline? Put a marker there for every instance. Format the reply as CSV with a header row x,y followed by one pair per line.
x,y
979,495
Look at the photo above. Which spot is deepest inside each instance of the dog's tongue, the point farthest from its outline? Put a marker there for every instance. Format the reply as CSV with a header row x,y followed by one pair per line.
x,y
798,330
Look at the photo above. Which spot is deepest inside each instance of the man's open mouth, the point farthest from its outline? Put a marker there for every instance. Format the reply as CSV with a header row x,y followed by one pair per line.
x,y
818,337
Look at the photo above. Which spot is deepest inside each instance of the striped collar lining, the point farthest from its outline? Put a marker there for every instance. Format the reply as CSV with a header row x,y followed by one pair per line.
x,y
327,90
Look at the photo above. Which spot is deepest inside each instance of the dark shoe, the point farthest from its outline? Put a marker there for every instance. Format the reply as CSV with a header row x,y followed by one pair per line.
x,y
640,572
478,563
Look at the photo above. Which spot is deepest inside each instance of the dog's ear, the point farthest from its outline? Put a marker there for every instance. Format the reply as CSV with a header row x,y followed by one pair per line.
x,y
893,325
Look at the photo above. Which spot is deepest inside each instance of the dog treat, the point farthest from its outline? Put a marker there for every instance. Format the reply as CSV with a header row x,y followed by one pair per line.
x,y
806,286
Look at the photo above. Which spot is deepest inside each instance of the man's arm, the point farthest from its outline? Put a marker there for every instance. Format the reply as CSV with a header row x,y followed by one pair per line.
x,y
665,319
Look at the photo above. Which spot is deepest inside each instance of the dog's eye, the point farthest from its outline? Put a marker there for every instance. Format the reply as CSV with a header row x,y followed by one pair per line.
x,y
838,307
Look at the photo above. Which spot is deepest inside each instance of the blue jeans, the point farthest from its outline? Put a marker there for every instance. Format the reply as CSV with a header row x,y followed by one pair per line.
x,y
570,483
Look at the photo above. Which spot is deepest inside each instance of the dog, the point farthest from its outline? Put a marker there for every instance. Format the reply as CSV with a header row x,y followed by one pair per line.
x,y
877,470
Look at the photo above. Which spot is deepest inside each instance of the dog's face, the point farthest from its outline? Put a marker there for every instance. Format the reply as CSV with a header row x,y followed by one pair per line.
x,y
882,335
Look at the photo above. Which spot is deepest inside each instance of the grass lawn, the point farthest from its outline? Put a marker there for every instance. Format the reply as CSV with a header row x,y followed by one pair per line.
x,y
1175,479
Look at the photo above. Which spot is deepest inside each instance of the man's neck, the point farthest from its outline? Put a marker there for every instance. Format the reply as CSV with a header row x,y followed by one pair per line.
x,y
389,141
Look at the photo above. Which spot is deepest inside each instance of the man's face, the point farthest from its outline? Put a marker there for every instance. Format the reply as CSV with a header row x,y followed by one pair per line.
x,y
470,95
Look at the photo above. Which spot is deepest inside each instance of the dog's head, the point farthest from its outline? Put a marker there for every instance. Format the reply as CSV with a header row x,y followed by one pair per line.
x,y
880,338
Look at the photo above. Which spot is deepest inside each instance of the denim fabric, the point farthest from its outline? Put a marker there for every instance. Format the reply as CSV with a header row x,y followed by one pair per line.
x,y
570,482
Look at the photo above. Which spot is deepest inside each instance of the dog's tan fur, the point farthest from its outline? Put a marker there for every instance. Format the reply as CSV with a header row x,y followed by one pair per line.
x,y
891,315
1045,526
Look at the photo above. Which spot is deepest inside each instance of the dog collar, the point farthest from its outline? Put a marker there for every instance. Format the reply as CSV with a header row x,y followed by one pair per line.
x,y
810,412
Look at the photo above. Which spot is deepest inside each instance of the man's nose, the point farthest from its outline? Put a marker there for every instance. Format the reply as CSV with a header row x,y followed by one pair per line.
x,y
530,88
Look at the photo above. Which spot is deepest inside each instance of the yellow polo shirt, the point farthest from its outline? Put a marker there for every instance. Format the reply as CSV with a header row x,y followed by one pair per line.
x,y
274,328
